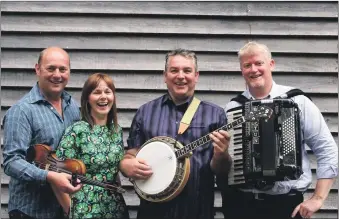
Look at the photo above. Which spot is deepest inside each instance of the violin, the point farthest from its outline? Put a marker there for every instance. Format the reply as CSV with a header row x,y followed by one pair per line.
x,y
43,157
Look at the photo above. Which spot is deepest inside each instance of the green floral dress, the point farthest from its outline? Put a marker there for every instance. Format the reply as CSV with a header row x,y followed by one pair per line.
x,y
101,152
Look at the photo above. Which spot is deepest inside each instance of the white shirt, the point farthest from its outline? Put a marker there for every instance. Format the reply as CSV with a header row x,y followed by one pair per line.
x,y
316,135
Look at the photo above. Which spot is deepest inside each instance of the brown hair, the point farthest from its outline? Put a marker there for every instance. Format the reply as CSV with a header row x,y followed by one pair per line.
x,y
91,83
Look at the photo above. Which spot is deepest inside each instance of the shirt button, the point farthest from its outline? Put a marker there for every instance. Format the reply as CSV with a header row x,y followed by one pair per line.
x,y
176,122
51,108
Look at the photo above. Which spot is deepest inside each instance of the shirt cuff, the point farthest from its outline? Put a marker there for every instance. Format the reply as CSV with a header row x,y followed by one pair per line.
x,y
41,176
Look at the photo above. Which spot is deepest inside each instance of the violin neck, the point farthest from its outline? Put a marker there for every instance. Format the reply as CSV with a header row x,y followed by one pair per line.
x,y
89,181
85,180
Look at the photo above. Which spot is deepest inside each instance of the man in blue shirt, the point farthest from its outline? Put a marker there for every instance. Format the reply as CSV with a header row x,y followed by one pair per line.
x,y
161,117
40,117
285,199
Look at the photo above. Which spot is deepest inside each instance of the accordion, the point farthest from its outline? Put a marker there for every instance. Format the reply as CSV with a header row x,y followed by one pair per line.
x,y
265,150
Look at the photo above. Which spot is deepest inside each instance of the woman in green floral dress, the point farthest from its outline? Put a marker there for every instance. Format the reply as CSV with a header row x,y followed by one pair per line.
x,y
97,141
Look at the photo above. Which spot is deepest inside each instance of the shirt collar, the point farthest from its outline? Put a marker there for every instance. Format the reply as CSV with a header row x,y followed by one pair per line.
x,y
273,93
37,96
168,99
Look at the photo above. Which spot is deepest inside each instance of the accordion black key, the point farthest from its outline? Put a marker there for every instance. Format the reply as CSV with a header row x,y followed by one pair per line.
x,y
265,150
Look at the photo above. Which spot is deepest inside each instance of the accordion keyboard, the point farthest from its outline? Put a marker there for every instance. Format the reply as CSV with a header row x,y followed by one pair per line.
x,y
236,174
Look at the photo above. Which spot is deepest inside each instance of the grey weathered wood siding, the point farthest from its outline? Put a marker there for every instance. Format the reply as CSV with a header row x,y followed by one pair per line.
x,y
128,40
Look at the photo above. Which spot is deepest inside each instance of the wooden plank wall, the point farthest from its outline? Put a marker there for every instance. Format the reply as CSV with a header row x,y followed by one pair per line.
x,y
128,40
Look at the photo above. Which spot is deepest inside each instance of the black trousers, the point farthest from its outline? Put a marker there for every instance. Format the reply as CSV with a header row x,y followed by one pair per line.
x,y
16,214
241,205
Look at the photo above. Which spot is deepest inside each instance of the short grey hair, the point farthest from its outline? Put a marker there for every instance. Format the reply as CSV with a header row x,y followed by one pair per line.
x,y
182,52
251,47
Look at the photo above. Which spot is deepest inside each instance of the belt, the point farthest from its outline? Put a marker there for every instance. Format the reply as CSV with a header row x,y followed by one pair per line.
x,y
264,196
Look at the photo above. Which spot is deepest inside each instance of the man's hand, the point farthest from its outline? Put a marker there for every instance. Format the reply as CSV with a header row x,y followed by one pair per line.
x,y
135,168
308,207
221,160
62,182
220,141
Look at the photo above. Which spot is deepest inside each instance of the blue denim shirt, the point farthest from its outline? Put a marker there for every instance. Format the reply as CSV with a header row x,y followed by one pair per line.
x,y
161,117
30,121
316,135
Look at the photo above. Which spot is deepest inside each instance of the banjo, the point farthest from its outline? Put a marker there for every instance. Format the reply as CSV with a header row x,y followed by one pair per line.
x,y
171,165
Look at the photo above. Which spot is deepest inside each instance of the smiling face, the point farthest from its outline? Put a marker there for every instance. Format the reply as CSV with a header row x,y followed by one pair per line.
x,y
101,101
53,72
180,77
256,68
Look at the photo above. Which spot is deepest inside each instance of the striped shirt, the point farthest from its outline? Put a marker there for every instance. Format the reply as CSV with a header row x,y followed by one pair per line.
x,y
161,117
30,121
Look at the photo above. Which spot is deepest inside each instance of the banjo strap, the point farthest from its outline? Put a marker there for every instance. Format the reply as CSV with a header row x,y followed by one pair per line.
x,y
187,118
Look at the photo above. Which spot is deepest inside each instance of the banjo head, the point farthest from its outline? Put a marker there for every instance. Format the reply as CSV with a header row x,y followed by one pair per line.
x,y
159,154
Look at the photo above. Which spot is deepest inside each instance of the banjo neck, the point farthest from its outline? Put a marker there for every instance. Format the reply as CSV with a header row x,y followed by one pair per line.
x,y
203,140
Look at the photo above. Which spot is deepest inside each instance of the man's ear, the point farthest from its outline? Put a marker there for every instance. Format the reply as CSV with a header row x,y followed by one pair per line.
x,y
37,69
197,76
272,64
164,74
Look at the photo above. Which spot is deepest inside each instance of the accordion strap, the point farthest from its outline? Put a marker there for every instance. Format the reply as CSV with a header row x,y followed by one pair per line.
x,y
240,99
293,93
289,94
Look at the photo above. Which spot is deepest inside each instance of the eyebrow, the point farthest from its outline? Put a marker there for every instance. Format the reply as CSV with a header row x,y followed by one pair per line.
x,y
178,68
105,88
55,66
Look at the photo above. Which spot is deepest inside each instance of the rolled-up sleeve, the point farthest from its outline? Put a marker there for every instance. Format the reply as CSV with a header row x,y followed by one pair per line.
x,y
319,138
17,138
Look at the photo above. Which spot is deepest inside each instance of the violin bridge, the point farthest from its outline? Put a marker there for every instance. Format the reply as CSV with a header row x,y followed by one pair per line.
x,y
47,166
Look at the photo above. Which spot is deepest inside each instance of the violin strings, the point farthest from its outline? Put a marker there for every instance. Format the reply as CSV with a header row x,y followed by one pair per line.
x,y
81,177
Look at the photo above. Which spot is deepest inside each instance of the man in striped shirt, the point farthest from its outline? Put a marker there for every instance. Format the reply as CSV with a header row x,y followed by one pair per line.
x,y
40,117
161,117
